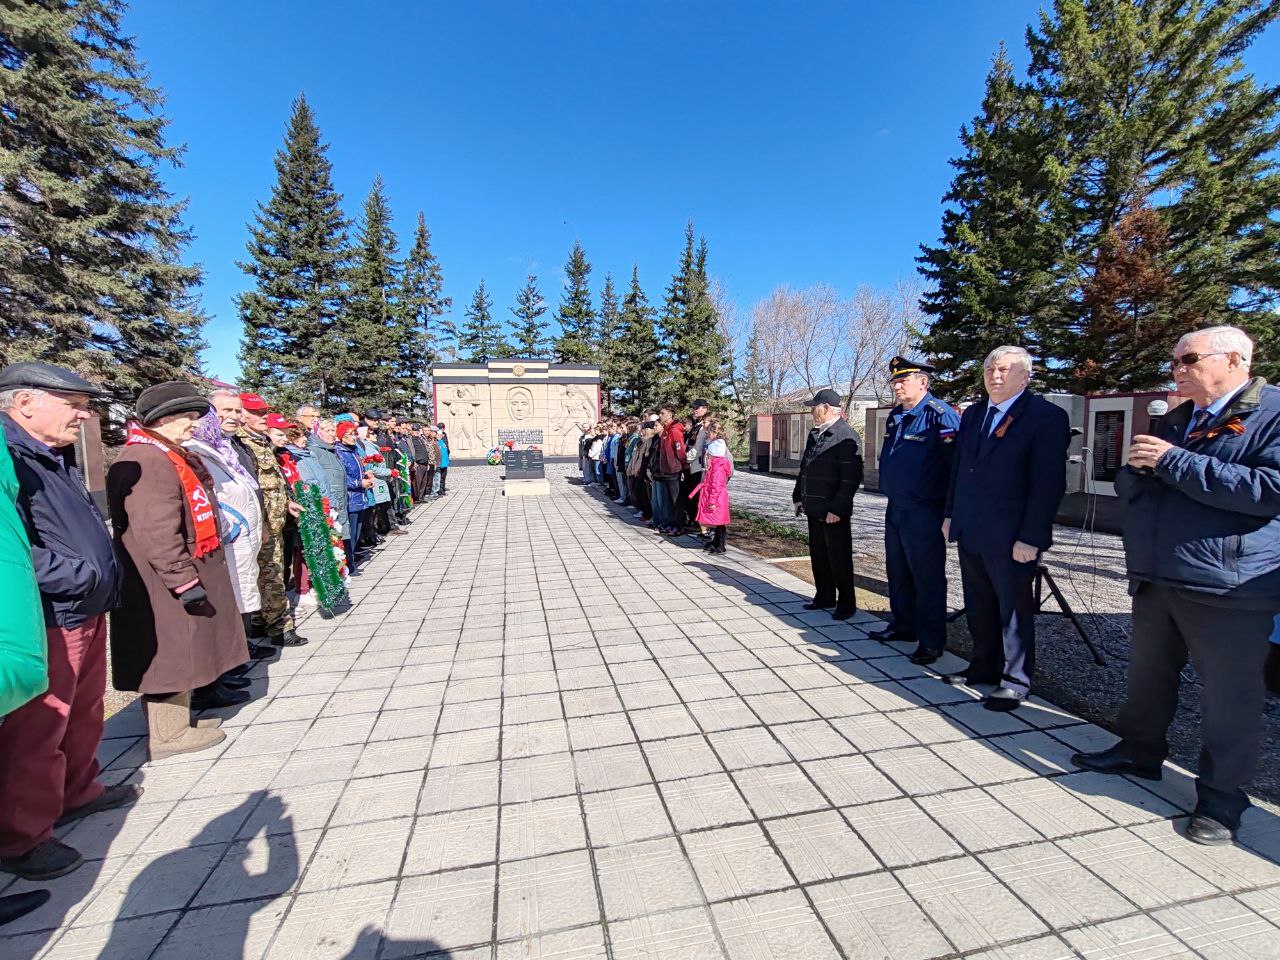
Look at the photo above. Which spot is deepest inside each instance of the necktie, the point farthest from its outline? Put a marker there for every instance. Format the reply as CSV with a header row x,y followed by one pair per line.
x,y
986,424
1200,420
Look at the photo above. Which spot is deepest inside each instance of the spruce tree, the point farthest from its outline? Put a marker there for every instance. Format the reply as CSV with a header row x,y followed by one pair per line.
x,y
696,348
297,258
636,352
579,333
529,335
675,307
610,359
91,242
480,337
366,347
993,272
1155,104
422,306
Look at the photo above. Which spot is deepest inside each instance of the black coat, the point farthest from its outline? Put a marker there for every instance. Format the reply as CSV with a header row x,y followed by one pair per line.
x,y
71,550
830,472
1007,488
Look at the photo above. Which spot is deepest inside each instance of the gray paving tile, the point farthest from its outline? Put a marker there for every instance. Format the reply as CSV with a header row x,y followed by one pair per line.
x,y
457,788
672,935
681,757
781,926
639,879
779,790
1222,928
700,802
969,904
445,841
360,853
538,777
611,768
850,780
545,894
227,932
873,916
331,924
1055,886
1132,938
625,816
821,846
735,862
539,827
977,820
900,833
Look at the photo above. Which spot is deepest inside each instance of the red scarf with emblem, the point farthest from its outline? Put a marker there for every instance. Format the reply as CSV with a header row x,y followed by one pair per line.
x,y
203,515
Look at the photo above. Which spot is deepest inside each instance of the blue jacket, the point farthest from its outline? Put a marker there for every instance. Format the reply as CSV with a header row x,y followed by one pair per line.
x,y
1006,489
75,563
444,454
916,455
1209,518
357,498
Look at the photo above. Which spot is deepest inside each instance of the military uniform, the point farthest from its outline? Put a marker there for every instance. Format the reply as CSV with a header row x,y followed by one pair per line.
x,y
915,468
275,617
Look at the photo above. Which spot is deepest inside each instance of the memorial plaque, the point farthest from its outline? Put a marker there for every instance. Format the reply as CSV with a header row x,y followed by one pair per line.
x,y
523,464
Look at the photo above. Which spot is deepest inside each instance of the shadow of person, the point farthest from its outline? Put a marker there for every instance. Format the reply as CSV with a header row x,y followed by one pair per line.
x,y
371,938
214,869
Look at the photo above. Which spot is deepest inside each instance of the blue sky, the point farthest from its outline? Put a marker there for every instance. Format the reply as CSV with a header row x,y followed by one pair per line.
x,y
808,141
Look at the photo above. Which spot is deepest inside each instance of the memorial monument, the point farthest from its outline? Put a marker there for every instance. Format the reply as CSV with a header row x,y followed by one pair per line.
x,y
529,403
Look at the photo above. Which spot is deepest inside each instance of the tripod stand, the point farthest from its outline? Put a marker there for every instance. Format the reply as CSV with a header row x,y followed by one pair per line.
x,y
1045,578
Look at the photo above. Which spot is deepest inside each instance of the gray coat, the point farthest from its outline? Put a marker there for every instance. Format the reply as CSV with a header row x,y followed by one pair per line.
x,y
335,481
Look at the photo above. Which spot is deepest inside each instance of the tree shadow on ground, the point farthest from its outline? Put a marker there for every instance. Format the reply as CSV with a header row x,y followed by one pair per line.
x,y
1037,737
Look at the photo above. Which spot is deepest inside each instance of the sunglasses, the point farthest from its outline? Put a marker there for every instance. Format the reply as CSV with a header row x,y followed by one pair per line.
x,y
1191,359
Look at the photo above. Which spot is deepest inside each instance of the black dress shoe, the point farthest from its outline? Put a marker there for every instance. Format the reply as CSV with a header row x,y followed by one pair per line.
x,y
891,635
216,696
841,613
239,671
1001,704
1209,832
234,683
816,604
20,904
289,638
922,658
1114,760
263,652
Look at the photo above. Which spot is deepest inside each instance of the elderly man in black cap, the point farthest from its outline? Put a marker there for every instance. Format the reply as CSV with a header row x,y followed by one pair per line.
x,y
915,469
48,748
830,472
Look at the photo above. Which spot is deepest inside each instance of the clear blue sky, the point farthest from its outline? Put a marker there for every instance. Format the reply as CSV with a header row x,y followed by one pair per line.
x,y
809,141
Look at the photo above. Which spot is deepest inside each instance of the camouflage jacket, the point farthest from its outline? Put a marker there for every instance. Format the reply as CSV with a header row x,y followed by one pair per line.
x,y
275,492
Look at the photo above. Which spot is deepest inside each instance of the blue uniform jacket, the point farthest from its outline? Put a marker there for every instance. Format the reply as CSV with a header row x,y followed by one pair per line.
x,y
916,455
1008,488
1209,519
357,495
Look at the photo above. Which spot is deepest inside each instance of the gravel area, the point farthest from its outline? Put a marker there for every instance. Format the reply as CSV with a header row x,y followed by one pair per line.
x,y
1089,569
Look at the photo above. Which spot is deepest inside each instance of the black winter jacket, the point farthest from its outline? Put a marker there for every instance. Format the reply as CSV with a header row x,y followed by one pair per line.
x,y
71,549
830,472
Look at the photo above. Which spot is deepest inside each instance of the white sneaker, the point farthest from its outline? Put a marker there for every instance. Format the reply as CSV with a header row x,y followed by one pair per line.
x,y
308,599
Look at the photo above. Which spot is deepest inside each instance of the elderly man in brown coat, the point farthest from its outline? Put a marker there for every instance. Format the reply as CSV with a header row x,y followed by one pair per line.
x,y
178,627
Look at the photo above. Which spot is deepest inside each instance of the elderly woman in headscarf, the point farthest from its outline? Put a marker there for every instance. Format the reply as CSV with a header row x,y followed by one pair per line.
x,y
240,515
178,627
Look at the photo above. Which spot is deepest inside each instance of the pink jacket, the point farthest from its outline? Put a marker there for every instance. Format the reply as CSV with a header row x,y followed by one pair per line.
x,y
713,508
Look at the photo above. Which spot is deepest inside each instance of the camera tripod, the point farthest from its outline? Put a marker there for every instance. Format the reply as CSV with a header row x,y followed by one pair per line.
x,y
1045,578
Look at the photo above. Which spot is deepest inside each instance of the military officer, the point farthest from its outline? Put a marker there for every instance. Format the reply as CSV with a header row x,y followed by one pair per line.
x,y
915,466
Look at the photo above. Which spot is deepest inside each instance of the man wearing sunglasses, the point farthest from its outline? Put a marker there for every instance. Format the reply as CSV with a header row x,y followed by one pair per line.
x,y
1202,546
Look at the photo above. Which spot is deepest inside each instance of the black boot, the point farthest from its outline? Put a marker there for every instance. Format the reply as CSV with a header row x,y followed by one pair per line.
x,y
1115,760
289,638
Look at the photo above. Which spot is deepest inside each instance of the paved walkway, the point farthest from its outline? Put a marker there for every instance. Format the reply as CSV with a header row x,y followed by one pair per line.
x,y
543,733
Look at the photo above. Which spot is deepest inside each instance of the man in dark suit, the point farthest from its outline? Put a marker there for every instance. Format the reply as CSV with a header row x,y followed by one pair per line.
x,y
830,472
1008,479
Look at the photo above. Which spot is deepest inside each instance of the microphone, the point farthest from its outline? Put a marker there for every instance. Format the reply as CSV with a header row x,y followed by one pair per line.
x,y
1156,410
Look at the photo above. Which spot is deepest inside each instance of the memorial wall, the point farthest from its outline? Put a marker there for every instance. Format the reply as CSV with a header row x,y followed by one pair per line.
x,y
528,402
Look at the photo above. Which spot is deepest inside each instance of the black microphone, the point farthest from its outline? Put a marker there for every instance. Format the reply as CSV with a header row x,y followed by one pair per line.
x,y
1156,410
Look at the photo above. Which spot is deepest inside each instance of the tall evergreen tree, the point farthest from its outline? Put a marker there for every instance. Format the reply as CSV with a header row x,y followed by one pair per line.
x,y
636,352
579,333
297,257
367,327
1155,106
697,352
422,305
610,358
675,306
994,271
91,242
480,337
529,336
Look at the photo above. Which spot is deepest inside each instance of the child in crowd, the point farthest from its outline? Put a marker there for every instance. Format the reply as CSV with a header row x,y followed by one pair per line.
x,y
713,505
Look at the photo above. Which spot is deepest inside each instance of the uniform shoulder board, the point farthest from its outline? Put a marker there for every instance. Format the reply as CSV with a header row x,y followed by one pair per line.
x,y
938,406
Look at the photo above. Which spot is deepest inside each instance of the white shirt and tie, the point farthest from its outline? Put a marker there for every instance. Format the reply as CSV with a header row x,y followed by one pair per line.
x,y
996,413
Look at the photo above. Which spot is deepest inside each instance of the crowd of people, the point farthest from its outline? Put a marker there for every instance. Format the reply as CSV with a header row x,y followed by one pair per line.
x,y
225,516
672,473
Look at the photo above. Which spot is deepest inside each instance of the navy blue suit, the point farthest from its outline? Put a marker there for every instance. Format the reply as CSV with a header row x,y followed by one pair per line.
x,y
1005,487
915,470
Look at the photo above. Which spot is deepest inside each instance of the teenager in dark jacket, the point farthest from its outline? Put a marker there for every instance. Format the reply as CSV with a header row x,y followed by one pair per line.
x,y
669,464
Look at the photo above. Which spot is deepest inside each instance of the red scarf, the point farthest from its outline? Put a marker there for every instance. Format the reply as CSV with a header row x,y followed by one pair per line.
x,y
202,512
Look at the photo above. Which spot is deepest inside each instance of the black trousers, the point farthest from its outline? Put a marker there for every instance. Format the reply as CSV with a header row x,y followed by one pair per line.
x,y
1228,646
916,560
1000,609
718,536
831,554
688,510
444,475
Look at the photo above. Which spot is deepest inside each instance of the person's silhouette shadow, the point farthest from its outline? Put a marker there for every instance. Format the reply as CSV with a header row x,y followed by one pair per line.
x,y
229,881
366,947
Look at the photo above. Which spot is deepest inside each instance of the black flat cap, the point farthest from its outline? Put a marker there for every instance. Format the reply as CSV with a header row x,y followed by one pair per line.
x,y
699,403
45,376
162,399
829,397
374,414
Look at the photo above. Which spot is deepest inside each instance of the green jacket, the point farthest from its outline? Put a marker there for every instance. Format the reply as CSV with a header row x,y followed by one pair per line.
x,y
24,666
